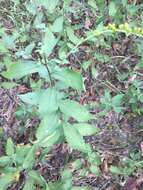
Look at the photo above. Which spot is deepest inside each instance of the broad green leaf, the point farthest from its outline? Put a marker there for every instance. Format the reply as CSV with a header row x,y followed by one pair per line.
x,y
94,158
51,5
30,158
101,5
116,170
117,109
50,140
47,126
36,177
92,3
95,170
9,40
27,52
47,187
54,186
48,101
77,164
20,69
63,52
7,179
70,78
116,100
112,9
31,98
3,48
9,147
67,185
72,37
29,48
49,42
66,174
4,160
31,7
8,85
21,153
86,64
86,129
75,110
124,2
102,58
141,98
58,24
29,185
66,178
74,139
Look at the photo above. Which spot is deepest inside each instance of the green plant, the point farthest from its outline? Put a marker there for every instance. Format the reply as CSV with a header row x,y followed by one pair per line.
x,y
17,159
109,103
41,43
135,97
128,165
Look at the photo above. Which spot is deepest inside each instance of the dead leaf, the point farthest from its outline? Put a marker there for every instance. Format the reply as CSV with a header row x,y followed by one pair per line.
x,y
133,184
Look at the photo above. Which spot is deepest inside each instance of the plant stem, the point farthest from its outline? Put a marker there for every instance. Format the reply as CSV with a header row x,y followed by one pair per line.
x,y
46,65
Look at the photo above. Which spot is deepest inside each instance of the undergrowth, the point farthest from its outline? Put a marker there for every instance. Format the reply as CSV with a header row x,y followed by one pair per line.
x,y
41,48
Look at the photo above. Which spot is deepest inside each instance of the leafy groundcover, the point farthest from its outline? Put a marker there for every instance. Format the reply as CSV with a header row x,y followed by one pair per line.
x,y
71,96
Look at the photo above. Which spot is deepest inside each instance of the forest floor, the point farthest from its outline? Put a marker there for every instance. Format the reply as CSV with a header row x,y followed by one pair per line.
x,y
108,63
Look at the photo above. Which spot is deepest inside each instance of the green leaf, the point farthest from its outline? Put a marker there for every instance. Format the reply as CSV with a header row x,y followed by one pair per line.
x,y
8,85
95,170
112,9
77,164
72,37
36,177
106,98
9,147
124,2
31,98
70,78
21,69
58,24
63,52
27,52
141,98
50,140
116,100
74,139
94,158
4,160
30,158
102,58
48,101
21,153
51,5
49,43
3,48
75,110
86,129
93,4
117,109
29,185
66,174
116,170
6,180
47,126
54,186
